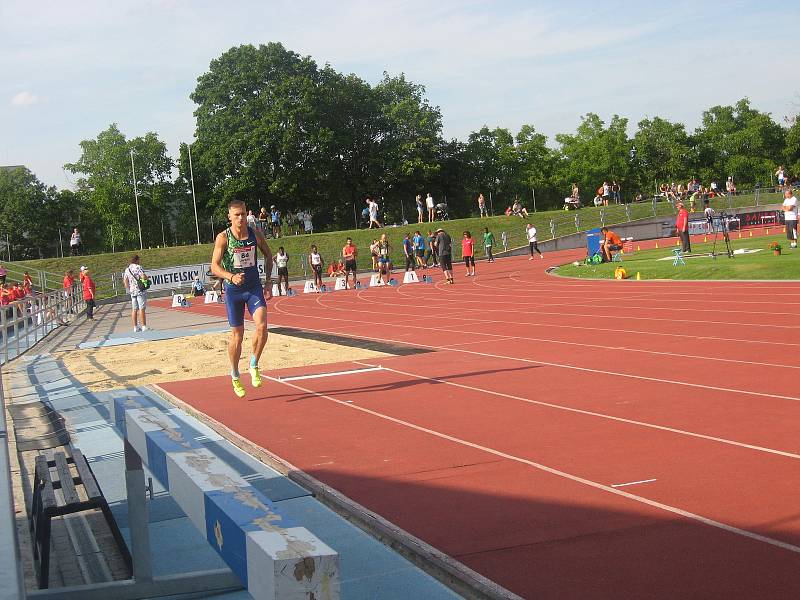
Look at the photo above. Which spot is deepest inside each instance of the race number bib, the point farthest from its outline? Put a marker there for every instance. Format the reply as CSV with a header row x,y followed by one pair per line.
x,y
244,256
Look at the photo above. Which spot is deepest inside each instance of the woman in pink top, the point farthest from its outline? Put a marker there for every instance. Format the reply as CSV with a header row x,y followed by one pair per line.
x,y
468,253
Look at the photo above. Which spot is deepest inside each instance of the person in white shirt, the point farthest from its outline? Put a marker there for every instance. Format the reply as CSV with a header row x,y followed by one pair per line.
x,y
781,175
790,216
709,214
530,230
75,243
281,261
251,219
132,276
729,187
308,225
373,213
431,207
315,260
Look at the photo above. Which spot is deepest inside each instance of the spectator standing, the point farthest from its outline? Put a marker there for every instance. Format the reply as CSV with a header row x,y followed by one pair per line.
x,y
315,260
420,209
780,174
615,191
75,243
482,206
429,203
27,283
136,284
488,242
530,231
606,193
251,219
373,213
468,253
729,187
682,227
263,219
790,216
308,224
275,219
350,255
444,246
281,260
89,291
409,253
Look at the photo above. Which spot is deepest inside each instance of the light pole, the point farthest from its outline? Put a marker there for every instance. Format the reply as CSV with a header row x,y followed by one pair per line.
x,y
136,196
194,198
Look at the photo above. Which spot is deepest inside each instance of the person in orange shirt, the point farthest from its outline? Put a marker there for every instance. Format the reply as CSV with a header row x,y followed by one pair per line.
x,y
89,291
27,283
611,243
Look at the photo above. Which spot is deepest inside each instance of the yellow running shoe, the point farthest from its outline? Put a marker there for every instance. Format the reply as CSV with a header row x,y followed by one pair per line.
x,y
238,388
255,377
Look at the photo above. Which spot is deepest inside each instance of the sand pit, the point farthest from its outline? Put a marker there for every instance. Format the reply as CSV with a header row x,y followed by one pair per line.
x,y
193,357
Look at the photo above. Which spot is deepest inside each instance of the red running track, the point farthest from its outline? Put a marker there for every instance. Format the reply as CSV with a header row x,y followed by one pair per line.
x,y
565,438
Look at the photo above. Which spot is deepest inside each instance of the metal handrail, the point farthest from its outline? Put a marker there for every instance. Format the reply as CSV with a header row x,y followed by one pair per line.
x,y
26,322
12,583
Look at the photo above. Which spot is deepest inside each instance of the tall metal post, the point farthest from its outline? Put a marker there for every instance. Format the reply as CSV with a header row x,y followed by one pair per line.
x,y
533,193
194,198
136,196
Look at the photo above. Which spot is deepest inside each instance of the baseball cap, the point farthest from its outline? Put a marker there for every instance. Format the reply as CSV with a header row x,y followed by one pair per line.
x,y
83,268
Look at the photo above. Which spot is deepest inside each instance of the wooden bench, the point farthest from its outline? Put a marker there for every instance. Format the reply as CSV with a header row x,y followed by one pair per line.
x,y
46,505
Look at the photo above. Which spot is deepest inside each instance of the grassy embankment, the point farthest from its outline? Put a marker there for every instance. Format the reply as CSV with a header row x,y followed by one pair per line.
x,y
657,264
330,243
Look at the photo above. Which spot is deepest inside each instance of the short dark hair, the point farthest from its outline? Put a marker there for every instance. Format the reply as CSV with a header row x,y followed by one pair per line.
x,y
604,229
236,202
135,259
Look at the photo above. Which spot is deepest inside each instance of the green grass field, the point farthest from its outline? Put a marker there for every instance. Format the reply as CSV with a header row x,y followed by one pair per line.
x,y
330,243
752,265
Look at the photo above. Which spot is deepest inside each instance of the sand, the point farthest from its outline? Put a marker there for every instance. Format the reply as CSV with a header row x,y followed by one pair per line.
x,y
193,357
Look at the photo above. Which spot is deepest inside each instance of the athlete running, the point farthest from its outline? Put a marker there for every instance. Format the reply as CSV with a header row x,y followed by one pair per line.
x,y
235,260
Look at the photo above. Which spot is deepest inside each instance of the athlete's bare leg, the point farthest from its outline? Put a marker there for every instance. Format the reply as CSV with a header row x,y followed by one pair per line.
x,y
260,333
235,347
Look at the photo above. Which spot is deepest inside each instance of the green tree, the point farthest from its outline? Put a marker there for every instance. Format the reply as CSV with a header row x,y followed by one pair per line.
x,y
106,185
739,141
663,154
595,153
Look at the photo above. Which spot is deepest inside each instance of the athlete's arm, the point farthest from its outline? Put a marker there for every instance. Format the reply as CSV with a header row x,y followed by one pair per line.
x,y
261,241
220,244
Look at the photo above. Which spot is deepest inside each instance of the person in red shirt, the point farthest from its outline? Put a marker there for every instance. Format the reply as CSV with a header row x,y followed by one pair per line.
x,y
350,254
468,253
682,226
611,243
89,290
5,295
27,283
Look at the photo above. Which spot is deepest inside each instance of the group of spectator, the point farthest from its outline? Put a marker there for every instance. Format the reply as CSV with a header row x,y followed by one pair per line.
x,y
605,193
276,224
16,291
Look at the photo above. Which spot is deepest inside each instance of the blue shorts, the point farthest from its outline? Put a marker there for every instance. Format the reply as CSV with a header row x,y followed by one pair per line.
x,y
237,297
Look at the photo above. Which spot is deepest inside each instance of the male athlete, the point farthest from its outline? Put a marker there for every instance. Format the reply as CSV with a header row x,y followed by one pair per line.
x,y
235,261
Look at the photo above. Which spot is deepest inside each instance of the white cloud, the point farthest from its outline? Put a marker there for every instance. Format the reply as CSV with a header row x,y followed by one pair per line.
x,y
24,99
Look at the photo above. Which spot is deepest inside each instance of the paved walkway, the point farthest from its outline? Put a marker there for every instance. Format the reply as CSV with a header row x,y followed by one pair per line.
x,y
369,569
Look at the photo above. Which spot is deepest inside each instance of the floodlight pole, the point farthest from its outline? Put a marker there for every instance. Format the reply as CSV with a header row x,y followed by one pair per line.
x,y
136,196
194,198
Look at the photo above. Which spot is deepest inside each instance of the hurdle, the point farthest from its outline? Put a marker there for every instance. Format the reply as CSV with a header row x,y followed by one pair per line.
x,y
268,554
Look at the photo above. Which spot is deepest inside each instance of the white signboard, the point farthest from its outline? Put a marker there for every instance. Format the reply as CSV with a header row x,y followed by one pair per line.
x,y
173,278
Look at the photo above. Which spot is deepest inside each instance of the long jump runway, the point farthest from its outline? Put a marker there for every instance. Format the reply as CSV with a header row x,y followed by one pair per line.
x,y
564,438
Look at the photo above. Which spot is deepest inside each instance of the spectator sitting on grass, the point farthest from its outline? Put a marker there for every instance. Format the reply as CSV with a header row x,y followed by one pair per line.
x,y
598,200
611,243
518,210
336,269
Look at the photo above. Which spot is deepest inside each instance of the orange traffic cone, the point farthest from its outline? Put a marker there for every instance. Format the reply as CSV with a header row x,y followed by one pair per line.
x,y
656,245
638,248
751,233
705,239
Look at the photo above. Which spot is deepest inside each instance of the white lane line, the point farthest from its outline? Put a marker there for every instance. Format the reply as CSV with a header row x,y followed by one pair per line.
x,y
574,478
559,365
619,485
404,307
328,374
590,413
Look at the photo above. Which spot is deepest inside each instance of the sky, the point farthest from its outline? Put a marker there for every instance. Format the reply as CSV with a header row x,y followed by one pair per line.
x,y
69,69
